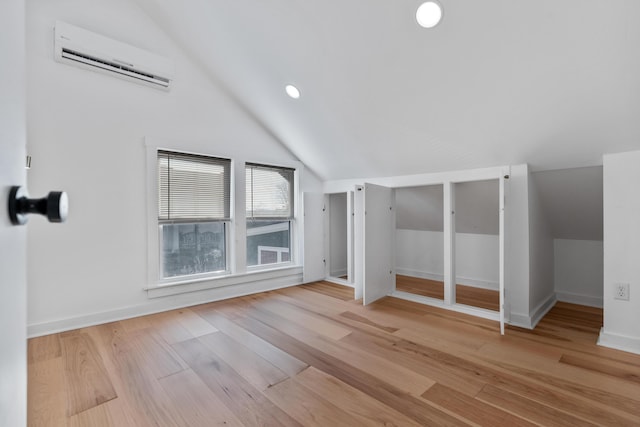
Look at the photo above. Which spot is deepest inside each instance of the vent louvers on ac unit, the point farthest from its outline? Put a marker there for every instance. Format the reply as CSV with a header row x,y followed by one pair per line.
x,y
88,50
113,66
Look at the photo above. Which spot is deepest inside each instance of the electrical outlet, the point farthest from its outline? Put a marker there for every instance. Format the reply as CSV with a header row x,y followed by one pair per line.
x,y
621,291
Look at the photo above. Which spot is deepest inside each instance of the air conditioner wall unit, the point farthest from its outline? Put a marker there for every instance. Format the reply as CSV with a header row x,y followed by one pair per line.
x,y
79,47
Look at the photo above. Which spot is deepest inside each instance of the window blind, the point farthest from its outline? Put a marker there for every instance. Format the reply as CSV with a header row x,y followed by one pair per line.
x,y
269,192
193,187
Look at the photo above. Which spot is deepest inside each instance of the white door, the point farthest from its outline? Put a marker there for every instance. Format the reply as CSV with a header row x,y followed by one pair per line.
x,y
314,247
350,231
358,241
501,255
13,282
378,242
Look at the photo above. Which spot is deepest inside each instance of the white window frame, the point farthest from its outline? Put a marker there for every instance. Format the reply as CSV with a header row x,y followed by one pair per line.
x,y
154,257
293,223
238,273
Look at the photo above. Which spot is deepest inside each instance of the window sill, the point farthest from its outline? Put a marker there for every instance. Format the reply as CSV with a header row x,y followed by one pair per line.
x,y
252,269
202,284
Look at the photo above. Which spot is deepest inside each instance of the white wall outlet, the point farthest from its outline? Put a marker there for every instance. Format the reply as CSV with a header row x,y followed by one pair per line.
x,y
621,291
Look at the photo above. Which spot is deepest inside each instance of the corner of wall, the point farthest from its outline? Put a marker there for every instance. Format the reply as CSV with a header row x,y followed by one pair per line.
x,y
531,320
621,250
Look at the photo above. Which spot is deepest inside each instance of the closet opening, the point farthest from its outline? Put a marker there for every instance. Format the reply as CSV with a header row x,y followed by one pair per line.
x,y
339,237
420,241
477,244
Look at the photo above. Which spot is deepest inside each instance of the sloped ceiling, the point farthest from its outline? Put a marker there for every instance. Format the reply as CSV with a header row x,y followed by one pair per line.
x,y
572,200
551,83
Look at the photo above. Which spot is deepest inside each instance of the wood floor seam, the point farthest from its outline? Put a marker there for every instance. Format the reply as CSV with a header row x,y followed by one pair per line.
x,y
312,355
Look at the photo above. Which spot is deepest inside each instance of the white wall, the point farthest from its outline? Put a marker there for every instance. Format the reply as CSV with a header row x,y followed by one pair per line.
x,y
621,250
420,208
572,201
541,287
421,254
86,134
338,234
477,206
13,269
578,271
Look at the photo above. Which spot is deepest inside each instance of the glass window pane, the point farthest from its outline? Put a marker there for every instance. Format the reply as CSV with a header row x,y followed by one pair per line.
x,y
268,242
269,192
193,248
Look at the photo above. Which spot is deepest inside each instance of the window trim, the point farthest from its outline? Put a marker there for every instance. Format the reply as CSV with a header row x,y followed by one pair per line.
x,y
154,241
294,245
239,274
160,222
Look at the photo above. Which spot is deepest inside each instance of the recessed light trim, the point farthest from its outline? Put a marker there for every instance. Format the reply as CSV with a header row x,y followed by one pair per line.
x,y
429,14
292,91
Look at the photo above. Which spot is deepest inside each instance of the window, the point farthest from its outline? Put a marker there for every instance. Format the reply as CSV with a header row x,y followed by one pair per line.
x,y
194,205
269,214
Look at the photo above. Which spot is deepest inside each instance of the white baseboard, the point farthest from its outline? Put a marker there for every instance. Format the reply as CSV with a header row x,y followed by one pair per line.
x,y
619,342
467,281
529,321
157,305
542,309
420,274
587,300
338,281
520,320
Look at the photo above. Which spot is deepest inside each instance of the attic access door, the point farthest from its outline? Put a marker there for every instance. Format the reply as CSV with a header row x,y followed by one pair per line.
x,y
379,239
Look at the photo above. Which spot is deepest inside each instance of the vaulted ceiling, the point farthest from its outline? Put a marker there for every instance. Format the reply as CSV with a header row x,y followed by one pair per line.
x,y
551,83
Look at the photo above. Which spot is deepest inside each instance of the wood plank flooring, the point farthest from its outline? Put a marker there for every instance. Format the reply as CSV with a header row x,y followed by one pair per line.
x,y
467,295
312,356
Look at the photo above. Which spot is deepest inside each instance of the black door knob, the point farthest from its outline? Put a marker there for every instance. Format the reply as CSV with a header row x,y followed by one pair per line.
x,y
54,206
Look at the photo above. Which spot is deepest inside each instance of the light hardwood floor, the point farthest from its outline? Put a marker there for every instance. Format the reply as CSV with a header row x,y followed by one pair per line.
x,y
311,355
467,295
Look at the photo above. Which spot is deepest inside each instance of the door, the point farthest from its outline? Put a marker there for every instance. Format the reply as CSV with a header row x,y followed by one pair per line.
x,y
314,247
13,282
501,254
350,232
358,241
378,242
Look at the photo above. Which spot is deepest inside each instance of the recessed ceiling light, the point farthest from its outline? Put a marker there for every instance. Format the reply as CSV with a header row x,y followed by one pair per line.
x,y
429,14
292,91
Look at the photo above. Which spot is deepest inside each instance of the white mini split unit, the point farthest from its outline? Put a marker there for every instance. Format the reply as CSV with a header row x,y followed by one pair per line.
x,y
82,48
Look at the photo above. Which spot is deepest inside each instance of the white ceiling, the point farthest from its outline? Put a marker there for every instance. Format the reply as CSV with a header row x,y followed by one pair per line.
x,y
551,83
